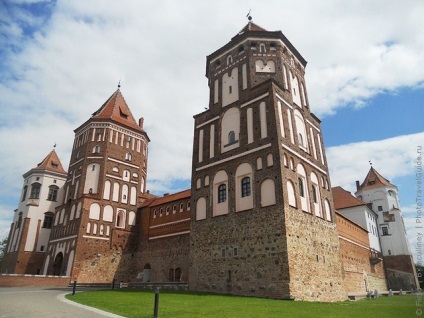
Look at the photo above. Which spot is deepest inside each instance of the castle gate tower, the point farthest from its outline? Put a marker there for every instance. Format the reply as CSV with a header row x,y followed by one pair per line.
x,y
263,221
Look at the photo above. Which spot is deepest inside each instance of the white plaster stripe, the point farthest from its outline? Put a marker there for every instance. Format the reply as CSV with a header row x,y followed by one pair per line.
x,y
63,238
114,177
284,101
303,158
123,162
350,241
76,162
169,223
310,123
96,238
254,100
168,235
207,122
234,157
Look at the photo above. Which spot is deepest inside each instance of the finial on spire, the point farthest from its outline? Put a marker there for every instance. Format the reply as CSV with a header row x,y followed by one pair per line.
x,y
370,162
54,146
248,16
119,84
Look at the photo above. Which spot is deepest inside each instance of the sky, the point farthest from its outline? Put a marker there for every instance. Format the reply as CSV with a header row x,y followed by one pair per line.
x,y
61,60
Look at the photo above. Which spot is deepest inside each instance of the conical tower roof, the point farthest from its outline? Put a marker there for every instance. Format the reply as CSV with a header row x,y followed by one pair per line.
x,y
116,109
50,163
374,180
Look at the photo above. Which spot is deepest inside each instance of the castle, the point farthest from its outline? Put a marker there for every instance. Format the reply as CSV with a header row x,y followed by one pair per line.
x,y
259,219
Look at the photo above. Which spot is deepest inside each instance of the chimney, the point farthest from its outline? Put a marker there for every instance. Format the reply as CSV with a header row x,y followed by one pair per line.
x,y
165,194
141,122
357,185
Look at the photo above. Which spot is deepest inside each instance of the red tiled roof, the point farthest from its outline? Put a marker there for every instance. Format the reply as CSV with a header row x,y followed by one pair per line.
x,y
116,108
344,199
169,198
251,27
374,180
51,163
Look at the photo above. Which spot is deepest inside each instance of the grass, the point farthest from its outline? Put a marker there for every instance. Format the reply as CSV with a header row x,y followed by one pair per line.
x,y
135,303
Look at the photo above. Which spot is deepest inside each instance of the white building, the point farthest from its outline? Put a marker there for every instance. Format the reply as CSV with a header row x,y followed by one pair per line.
x,y
382,197
359,212
29,233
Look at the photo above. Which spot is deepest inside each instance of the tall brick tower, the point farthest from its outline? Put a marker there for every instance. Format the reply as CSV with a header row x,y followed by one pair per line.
x,y
95,226
263,221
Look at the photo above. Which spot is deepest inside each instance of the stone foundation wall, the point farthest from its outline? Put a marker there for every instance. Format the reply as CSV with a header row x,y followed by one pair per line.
x,y
314,261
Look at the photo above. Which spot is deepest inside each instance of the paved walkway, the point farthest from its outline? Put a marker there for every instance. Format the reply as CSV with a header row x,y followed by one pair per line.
x,y
34,302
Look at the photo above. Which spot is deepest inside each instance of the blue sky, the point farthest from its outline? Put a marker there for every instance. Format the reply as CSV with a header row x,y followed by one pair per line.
x,y
60,60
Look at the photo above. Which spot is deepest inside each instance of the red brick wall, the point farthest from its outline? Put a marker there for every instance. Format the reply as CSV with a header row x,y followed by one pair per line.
x,y
14,280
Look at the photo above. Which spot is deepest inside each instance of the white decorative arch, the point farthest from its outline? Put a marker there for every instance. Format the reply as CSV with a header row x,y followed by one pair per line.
x,y
201,209
268,192
327,210
78,211
115,194
108,213
92,178
131,218
106,191
94,211
291,194
302,136
230,91
265,67
133,196
316,195
230,129
220,179
244,187
303,188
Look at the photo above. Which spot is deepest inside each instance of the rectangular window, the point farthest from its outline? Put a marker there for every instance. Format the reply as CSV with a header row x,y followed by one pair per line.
x,y
222,193
380,208
245,187
385,230
223,252
235,251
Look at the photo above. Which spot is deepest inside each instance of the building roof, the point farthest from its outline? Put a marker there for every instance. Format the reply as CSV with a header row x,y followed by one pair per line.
x,y
168,198
251,27
253,30
115,108
50,163
344,199
374,180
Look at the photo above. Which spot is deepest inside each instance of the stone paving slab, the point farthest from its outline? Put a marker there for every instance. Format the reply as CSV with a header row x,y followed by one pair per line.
x,y
45,302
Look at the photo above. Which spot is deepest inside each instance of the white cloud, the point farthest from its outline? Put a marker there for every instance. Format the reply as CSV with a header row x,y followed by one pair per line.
x,y
392,157
70,63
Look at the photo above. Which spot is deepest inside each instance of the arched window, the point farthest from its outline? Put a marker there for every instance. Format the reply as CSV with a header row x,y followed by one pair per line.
x,y
174,209
120,219
53,190
48,220
262,48
229,59
245,187
128,156
291,194
231,137
24,193
301,188
222,193
35,191
96,149
314,194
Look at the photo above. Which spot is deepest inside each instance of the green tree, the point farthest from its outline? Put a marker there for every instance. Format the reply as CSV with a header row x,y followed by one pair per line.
x,y
3,244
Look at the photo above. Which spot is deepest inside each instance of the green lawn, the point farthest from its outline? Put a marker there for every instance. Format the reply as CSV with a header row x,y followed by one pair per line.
x,y
135,303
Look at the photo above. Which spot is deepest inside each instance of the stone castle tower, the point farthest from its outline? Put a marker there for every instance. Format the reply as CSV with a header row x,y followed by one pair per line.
x,y
29,233
94,228
382,196
263,221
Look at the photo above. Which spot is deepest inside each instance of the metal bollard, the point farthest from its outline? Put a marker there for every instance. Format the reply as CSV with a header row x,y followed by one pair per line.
x,y
113,283
155,313
74,287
